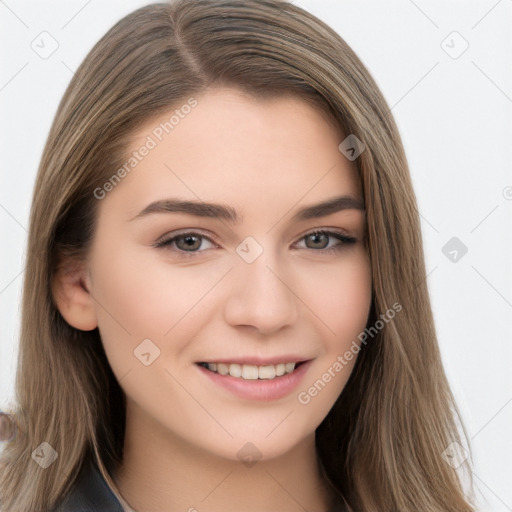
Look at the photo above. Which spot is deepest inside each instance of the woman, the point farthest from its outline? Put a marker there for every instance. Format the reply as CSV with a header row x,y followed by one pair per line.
x,y
225,303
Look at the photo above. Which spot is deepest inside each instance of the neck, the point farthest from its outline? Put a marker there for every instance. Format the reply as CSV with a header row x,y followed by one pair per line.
x,y
162,473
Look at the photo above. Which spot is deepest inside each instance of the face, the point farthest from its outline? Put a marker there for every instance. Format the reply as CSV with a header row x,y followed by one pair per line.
x,y
256,280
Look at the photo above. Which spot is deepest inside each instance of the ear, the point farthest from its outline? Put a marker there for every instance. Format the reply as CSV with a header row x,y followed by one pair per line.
x,y
71,291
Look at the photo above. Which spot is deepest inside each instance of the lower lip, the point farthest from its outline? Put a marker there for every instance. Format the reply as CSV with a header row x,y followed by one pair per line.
x,y
259,389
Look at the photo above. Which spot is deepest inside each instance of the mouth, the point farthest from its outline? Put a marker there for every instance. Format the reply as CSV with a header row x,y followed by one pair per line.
x,y
251,371
249,381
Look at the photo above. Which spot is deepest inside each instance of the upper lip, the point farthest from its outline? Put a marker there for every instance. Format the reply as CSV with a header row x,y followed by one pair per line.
x,y
258,361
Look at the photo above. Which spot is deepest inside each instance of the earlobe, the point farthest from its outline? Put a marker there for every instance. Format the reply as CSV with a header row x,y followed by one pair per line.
x,y
71,289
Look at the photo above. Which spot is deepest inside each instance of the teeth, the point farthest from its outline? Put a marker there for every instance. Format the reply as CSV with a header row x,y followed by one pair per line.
x,y
267,372
248,371
221,368
289,367
252,372
235,370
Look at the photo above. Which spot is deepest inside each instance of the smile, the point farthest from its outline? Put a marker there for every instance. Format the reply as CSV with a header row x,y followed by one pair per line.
x,y
256,382
250,371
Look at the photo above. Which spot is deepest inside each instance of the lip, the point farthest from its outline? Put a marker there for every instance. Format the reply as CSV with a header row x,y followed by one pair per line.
x,y
259,361
259,389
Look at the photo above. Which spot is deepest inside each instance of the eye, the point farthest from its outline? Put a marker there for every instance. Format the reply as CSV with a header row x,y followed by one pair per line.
x,y
321,240
188,242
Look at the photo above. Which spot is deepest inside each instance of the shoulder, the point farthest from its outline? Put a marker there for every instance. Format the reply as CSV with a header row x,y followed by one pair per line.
x,y
90,493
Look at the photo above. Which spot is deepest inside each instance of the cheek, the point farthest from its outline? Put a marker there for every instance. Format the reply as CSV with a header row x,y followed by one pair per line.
x,y
140,298
342,303
341,298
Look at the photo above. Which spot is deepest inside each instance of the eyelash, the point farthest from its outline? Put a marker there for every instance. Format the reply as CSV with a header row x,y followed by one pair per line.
x,y
344,239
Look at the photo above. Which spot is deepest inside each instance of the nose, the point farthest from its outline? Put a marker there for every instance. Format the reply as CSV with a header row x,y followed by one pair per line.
x,y
261,296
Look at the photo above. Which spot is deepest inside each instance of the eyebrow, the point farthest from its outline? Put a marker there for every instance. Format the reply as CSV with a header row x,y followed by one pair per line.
x,y
225,212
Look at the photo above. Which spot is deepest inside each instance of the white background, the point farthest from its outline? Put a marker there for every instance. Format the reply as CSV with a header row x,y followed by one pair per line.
x,y
454,115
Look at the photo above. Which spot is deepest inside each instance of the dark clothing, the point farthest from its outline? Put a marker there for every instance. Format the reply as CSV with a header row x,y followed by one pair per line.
x,y
90,493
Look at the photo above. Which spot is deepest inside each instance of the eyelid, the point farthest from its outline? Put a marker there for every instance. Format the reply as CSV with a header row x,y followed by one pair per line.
x,y
325,229
341,235
190,231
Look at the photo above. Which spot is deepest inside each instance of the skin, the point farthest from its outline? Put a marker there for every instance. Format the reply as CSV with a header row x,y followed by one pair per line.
x,y
267,159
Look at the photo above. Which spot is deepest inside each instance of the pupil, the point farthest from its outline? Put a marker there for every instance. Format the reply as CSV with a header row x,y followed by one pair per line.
x,y
190,241
315,238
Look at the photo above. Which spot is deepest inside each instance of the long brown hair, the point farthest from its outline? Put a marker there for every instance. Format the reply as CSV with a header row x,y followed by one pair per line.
x,y
382,444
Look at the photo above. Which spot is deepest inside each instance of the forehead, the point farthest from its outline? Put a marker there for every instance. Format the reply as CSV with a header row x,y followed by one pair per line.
x,y
241,150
